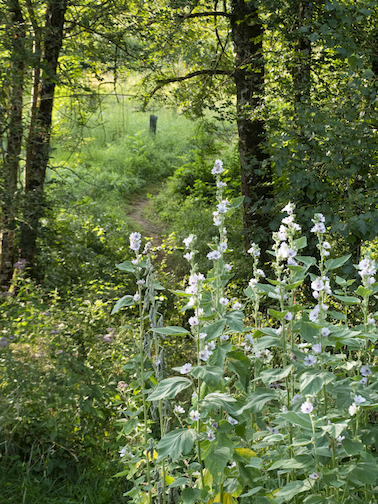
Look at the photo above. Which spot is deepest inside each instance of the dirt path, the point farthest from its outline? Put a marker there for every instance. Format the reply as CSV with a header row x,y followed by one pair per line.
x,y
147,228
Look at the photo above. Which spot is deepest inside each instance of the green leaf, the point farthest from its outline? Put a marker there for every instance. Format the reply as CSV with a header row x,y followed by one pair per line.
x,y
312,381
301,419
176,443
352,447
334,430
218,400
239,363
348,300
361,291
365,472
236,202
215,330
171,331
121,303
169,388
273,375
191,495
277,314
301,243
253,491
126,266
292,489
183,480
257,400
211,375
267,342
332,264
216,462
235,320
299,462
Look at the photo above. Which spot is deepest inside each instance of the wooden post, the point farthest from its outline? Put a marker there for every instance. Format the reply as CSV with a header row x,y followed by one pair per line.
x,y
153,121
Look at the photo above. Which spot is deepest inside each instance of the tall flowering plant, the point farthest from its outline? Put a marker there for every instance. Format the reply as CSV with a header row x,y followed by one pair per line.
x,y
279,410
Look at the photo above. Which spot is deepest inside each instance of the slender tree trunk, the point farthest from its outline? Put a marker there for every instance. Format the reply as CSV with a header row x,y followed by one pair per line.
x,y
256,179
14,129
38,146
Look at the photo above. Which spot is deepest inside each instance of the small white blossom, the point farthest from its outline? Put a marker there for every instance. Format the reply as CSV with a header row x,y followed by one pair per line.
x,y
178,409
307,407
254,250
188,256
187,241
289,208
225,337
218,167
297,398
228,267
310,360
317,349
288,316
194,415
210,435
232,421
314,314
193,321
136,297
315,475
325,331
186,368
339,440
204,355
224,301
236,306
135,239
358,399
353,408
365,370
220,184
317,284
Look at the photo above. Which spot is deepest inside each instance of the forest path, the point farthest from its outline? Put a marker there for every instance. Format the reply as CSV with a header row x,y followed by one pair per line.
x,y
145,227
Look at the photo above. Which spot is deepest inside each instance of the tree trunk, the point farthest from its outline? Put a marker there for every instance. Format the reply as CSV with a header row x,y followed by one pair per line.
x,y
14,130
38,145
302,60
256,178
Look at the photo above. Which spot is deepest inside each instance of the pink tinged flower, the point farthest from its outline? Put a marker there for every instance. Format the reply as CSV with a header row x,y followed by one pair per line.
x,y
325,331
202,335
370,321
194,415
218,167
186,368
288,316
326,245
292,262
317,349
273,430
353,408
225,337
315,294
193,321
210,435
317,284
178,409
358,399
136,297
363,381
224,301
307,407
315,475
223,206
365,370
210,346
232,421
310,360
236,306
228,267
339,440
222,247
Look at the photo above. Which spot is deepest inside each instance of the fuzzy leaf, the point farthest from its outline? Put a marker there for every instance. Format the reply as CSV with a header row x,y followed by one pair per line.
x,y
216,462
331,264
171,331
121,303
273,375
211,375
176,443
169,388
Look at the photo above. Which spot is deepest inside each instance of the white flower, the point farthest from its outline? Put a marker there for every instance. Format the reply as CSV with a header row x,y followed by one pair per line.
x,y
314,314
326,245
325,331
187,241
204,355
358,399
260,273
363,380
319,227
214,254
309,360
279,330
228,267
317,284
194,415
223,206
193,321
233,464
232,421
315,294
297,398
220,184
365,370
224,301
136,297
306,407
370,321
289,208
273,430
122,452
218,167
353,408
288,316
249,338
225,337
254,250
288,220
222,247
186,368
202,335
317,349
210,435
315,475
210,346
178,409
282,233
135,239
236,306
252,283
339,440
188,256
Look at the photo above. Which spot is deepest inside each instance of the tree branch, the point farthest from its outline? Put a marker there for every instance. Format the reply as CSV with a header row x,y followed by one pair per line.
x,y
164,82
204,14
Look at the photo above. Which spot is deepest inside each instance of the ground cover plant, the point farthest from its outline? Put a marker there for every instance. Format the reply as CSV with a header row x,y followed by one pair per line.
x,y
272,405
